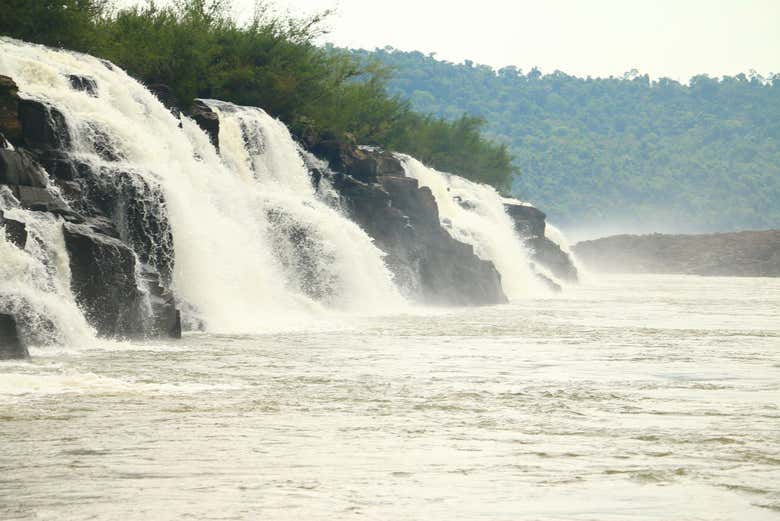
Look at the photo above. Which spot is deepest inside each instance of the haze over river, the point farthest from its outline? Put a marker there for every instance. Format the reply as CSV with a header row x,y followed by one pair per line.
x,y
641,397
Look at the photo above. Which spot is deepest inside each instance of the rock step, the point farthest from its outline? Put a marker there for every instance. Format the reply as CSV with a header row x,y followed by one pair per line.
x,y
11,346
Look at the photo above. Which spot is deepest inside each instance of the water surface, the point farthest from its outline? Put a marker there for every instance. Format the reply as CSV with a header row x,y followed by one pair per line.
x,y
642,397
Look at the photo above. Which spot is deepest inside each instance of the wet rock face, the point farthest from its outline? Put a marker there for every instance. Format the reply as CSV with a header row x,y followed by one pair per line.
x,y
9,110
550,255
43,127
83,83
103,281
403,220
17,167
15,231
529,220
165,317
206,119
10,344
363,163
166,96
136,211
530,224
111,218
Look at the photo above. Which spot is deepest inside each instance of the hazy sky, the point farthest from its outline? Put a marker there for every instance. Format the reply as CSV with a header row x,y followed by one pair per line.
x,y
676,38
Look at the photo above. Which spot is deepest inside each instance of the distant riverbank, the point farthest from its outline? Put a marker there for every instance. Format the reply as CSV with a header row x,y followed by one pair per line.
x,y
740,254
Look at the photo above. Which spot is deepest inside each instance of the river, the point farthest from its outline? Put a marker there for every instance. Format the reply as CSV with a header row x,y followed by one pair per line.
x,y
625,398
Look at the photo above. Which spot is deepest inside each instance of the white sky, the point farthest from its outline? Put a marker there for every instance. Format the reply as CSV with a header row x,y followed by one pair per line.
x,y
675,38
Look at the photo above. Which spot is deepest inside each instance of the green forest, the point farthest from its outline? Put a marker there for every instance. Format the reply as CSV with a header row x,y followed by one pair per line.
x,y
650,154
658,154
197,49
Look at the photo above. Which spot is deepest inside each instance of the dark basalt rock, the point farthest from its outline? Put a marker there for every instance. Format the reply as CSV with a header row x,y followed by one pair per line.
x,y
530,223
206,119
61,166
9,110
112,218
165,317
529,220
17,167
103,281
363,163
28,182
137,209
84,84
427,262
549,254
167,97
43,127
15,231
11,346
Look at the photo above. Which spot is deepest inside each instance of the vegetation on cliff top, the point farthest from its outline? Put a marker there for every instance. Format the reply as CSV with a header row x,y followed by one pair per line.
x,y
196,48
651,154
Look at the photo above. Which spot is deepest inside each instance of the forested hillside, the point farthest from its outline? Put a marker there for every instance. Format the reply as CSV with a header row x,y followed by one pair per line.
x,y
197,49
647,154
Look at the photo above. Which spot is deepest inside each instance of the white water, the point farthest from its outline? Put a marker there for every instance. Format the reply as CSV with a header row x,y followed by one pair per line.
x,y
556,235
474,213
35,282
226,274
341,261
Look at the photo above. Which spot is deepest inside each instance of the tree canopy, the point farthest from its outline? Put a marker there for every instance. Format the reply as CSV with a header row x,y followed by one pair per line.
x,y
198,50
651,154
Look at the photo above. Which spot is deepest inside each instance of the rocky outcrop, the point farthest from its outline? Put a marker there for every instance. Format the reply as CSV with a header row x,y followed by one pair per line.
x,y
9,110
83,83
167,97
365,164
206,119
530,224
103,280
15,231
738,254
115,226
403,220
10,344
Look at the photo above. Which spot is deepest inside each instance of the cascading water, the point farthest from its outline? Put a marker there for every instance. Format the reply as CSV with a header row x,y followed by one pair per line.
x,y
221,219
556,235
323,254
35,281
474,213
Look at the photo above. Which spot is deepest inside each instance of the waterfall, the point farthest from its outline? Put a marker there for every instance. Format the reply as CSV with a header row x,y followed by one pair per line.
x,y
226,217
474,213
324,254
557,236
35,281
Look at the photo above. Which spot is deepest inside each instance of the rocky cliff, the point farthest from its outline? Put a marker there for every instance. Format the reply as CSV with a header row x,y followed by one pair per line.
x,y
120,257
743,254
403,220
531,224
119,243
